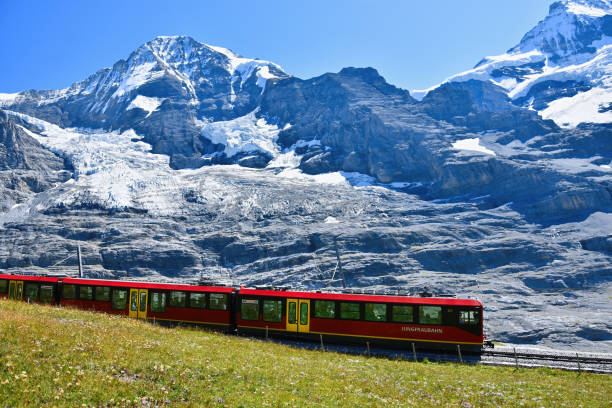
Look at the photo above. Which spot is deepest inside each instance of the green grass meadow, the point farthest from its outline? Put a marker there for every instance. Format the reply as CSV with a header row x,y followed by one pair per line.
x,y
55,357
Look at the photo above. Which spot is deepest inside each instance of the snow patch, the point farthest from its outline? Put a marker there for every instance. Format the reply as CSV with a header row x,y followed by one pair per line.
x,y
8,98
472,144
586,10
331,220
244,134
145,103
582,107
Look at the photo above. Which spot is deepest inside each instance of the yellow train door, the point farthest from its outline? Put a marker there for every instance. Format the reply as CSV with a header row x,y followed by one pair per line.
x,y
292,321
138,303
15,290
304,316
142,303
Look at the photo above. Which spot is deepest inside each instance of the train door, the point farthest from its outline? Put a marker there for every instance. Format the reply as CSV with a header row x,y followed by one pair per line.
x,y
138,303
298,315
15,290
292,324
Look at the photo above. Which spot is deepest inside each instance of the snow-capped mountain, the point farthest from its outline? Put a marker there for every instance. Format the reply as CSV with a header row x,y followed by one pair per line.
x,y
562,68
167,89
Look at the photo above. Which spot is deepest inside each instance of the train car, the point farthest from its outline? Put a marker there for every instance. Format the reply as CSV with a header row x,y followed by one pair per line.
x,y
383,321
34,289
164,303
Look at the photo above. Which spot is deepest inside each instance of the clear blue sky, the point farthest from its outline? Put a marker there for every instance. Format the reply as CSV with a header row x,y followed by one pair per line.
x,y
413,43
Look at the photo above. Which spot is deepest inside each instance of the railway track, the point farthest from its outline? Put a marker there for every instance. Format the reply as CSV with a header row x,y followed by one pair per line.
x,y
520,357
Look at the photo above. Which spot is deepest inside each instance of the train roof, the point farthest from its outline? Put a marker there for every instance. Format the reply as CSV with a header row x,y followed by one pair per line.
x,y
31,278
143,285
363,298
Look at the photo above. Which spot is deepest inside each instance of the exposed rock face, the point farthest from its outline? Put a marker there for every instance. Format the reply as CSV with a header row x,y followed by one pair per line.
x,y
26,167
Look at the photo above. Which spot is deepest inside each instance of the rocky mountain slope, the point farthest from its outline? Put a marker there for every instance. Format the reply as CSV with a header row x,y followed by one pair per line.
x,y
188,159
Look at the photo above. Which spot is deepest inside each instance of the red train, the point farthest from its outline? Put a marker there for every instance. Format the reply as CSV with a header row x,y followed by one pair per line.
x,y
381,320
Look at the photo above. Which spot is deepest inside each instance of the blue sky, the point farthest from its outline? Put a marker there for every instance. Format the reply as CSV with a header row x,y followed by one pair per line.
x,y
414,44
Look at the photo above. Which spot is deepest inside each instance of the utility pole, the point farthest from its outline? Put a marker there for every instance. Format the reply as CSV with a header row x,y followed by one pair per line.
x,y
339,264
80,261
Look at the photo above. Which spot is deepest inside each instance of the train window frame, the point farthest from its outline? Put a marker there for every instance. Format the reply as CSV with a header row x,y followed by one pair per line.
x,y
163,300
278,310
383,306
194,295
394,315
172,303
4,284
126,302
85,288
472,318
44,289
74,291
212,296
421,315
341,314
26,287
99,297
249,301
316,309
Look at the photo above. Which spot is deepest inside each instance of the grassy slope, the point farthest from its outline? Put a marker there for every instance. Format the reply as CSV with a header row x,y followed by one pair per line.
x,y
60,357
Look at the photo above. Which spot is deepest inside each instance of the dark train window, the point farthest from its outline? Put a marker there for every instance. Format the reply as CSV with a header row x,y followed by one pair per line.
x,y
119,299
218,301
349,311
3,286
30,292
177,299
46,294
69,292
103,293
197,300
158,302
249,309
303,313
430,314
133,300
325,309
86,292
402,314
292,313
376,312
468,317
273,310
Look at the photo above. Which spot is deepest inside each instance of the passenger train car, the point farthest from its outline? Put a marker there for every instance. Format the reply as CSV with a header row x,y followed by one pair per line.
x,y
380,320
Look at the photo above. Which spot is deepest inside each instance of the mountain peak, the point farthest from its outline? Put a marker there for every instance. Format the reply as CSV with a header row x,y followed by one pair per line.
x,y
593,8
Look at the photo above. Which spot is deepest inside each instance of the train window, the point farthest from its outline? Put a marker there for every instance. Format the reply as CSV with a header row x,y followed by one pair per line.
x,y
430,314
291,313
197,300
273,310
376,312
468,317
103,293
249,309
86,292
402,314
158,302
177,299
349,311
3,286
133,300
218,301
69,292
325,309
30,292
46,294
119,299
